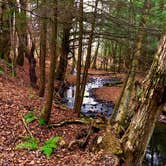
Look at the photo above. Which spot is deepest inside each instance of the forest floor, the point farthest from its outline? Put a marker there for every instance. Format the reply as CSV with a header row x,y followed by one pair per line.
x,y
16,100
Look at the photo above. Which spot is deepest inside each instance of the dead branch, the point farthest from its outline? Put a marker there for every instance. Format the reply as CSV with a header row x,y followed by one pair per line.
x,y
26,127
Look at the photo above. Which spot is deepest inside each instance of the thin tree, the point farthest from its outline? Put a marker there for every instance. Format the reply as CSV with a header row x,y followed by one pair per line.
x,y
87,62
125,99
43,48
45,115
78,81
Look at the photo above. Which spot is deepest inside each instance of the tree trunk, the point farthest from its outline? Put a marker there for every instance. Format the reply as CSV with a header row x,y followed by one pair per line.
x,y
125,100
32,67
21,25
95,56
65,46
43,48
77,106
88,60
5,42
61,71
139,132
47,112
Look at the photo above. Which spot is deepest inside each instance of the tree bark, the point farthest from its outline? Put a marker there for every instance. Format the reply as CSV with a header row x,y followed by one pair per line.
x,y
88,59
47,111
139,132
78,78
21,25
43,48
125,100
32,67
5,42
65,46
94,66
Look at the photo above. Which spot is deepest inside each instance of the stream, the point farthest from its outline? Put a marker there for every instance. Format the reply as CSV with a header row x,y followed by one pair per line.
x,y
156,150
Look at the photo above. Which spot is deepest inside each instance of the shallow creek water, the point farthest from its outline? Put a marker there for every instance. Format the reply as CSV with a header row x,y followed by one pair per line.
x,y
156,151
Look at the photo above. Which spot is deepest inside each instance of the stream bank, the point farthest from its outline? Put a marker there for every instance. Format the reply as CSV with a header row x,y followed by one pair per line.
x,y
99,106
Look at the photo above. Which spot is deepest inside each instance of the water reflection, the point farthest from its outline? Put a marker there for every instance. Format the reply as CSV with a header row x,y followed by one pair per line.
x,y
90,106
156,151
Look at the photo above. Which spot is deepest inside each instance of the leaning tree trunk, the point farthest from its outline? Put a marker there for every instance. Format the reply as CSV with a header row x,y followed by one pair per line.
x,y
125,100
139,132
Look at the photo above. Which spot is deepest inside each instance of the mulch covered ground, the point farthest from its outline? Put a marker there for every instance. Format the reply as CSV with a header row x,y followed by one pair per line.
x,y
16,100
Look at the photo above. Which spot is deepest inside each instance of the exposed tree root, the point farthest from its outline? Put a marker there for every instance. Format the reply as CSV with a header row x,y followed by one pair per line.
x,y
81,143
66,122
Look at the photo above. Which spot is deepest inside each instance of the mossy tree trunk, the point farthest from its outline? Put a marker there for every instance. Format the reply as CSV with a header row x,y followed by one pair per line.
x,y
138,134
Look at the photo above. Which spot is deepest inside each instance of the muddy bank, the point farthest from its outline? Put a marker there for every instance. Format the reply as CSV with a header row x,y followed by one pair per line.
x,y
110,94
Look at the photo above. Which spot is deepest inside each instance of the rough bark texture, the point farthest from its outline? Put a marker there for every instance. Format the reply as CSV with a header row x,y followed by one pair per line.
x,y
43,46
47,112
32,67
77,107
142,125
21,26
125,100
65,46
5,42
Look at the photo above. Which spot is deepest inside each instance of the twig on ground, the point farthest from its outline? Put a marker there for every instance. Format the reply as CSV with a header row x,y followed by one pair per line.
x,y
26,127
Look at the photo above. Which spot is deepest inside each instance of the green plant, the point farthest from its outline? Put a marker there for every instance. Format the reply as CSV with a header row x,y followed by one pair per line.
x,y
30,117
31,95
1,70
85,120
42,122
50,145
30,143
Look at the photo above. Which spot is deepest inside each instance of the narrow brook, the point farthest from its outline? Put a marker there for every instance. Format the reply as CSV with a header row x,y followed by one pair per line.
x,y
156,150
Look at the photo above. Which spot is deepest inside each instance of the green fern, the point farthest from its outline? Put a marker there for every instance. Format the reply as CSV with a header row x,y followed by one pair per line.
x,y
30,117
30,143
50,145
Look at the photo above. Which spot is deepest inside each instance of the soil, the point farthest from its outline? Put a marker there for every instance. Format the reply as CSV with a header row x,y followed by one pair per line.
x,y
108,93
16,100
